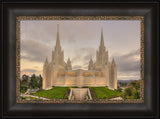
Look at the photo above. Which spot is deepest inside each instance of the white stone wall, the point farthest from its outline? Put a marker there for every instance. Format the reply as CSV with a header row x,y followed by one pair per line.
x,y
89,81
60,81
101,81
75,81
79,81
70,81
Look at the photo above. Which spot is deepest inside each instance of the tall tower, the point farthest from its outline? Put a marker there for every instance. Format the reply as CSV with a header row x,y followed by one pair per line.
x,y
90,66
102,54
58,54
45,70
49,68
113,75
68,65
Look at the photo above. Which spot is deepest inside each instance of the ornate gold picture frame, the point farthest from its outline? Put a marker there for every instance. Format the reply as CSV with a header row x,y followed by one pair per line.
x,y
61,101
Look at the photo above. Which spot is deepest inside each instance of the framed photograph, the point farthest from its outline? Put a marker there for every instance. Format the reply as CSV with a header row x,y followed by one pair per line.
x,y
80,58
88,75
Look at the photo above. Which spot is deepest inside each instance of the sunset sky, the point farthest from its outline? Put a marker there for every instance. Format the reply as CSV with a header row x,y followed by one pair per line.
x,y
80,39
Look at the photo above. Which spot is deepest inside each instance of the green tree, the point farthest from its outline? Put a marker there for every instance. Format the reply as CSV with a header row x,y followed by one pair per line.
x,y
39,85
136,94
128,91
25,78
23,89
33,81
125,83
133,83
132,91
119,89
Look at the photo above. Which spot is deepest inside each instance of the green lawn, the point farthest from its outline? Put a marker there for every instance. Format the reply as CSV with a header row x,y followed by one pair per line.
x,y
59,92
105,93
54,93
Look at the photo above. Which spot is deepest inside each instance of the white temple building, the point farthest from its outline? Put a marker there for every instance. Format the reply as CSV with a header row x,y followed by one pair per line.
x,y
57,72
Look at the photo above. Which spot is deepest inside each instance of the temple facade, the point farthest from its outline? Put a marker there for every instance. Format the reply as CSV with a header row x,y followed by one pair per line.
x,y
57,72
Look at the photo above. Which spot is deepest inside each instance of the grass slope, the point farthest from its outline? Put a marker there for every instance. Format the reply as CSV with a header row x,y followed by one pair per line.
x,y
105,93
54,93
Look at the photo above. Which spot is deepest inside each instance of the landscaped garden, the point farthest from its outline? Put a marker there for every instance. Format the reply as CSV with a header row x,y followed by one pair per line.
x,y
105,93
132,91
59,93
54,93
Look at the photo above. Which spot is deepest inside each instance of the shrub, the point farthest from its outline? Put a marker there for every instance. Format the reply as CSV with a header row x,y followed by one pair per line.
x,y
23,89
128,91
132,91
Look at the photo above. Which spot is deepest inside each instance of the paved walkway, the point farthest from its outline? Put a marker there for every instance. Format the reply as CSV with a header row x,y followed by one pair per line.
x,y
27,95
117,98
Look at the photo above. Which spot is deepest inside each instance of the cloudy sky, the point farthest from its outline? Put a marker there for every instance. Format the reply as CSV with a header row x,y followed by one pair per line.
x,y
80,39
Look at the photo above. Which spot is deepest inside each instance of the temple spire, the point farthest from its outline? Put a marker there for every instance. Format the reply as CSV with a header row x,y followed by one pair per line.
x,y
46,61
102,39
58,40
90,66
91,61
68,62
113,61
69,65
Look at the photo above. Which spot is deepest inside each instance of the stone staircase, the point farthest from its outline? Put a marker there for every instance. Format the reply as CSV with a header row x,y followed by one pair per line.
x,y
92,93
80,94
67,94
